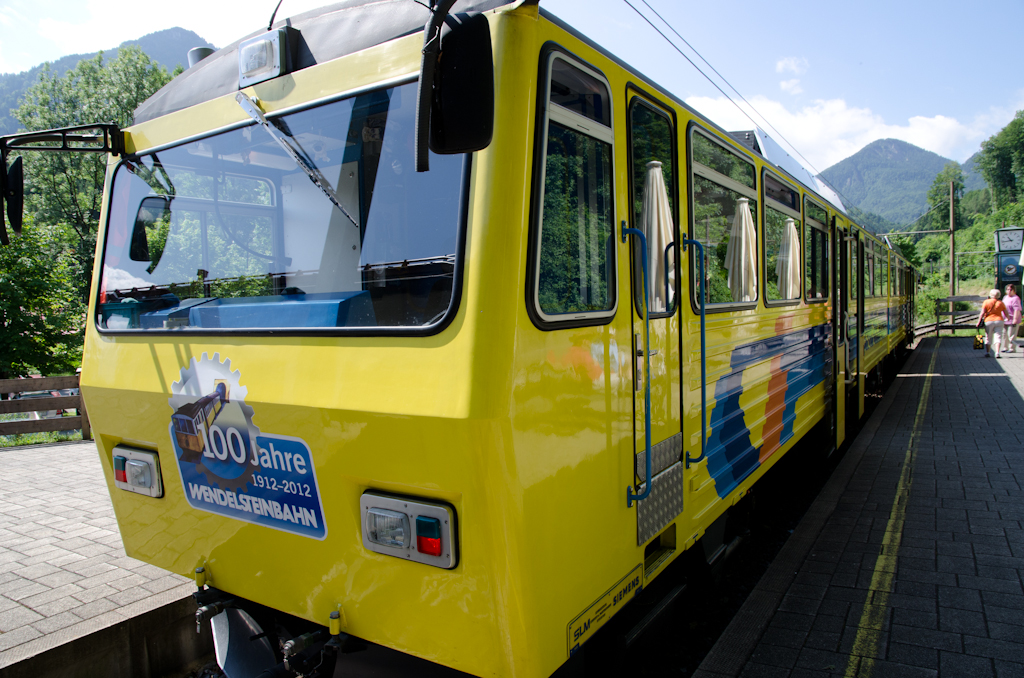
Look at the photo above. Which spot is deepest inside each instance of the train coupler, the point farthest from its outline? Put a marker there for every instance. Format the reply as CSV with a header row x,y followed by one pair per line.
x,y
211,610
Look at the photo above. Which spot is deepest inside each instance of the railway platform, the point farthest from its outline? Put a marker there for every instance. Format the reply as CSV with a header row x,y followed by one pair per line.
x,y
910,561
68,593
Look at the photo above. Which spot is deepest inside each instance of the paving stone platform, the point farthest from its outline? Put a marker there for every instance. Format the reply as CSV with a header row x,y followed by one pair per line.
x,y
63,570
910,561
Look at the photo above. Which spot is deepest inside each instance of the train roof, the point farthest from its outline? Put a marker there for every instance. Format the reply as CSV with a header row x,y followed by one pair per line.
x,y
362,23
759,141
366,23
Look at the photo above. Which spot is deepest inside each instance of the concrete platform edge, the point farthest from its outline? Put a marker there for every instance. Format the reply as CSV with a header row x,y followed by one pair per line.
x,y
149,643
734,647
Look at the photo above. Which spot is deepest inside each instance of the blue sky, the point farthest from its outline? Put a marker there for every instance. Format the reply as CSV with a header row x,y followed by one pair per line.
x,y
830,77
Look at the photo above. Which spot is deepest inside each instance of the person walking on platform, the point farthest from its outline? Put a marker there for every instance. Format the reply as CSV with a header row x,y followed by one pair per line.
x,y
1012,319
992,312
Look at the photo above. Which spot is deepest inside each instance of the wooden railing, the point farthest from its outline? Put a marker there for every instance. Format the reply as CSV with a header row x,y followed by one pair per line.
x,y
957,318
42,404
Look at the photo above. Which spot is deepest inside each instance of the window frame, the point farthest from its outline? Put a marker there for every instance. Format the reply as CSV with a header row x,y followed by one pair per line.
x,y
814,224
694,169
788,211
876,270
546,112
869,269
636,95
461,237
886,278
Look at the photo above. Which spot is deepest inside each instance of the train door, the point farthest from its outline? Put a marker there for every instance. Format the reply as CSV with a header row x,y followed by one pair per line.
x,y
840,311
852,292
654,209
863,289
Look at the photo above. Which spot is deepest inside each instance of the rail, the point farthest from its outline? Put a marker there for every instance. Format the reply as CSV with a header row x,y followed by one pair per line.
x,y
955,316
43,395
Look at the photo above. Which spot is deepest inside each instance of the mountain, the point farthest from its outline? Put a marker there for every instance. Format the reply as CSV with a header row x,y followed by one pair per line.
x,y
889,180
888,177
169,48
870,220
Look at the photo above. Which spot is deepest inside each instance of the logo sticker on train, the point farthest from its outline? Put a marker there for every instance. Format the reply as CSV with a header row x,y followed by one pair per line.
x,y
231,468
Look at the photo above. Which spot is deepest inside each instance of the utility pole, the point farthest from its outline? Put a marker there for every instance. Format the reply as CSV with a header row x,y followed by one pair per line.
x,y
952,251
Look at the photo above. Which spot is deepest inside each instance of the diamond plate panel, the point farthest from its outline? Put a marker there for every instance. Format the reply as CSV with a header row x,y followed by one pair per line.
x,y
663,505
663,455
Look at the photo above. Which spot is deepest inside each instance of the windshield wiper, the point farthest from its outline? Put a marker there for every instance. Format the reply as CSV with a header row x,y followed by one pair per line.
x,y
250,107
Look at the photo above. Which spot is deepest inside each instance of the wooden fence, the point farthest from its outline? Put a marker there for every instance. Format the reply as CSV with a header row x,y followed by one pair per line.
x,y
42,404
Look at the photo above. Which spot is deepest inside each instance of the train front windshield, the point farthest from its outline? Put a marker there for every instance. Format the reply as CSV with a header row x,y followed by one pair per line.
x,y
229,232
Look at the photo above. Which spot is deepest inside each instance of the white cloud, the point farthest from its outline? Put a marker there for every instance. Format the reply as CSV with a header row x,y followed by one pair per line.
x,y
220,22
791,86
795,65
828,131
35,31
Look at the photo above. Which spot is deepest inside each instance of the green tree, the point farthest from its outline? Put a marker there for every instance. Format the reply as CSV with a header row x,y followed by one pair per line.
x,y
41,313
977,202
1001,162
67,188
909,249
938,197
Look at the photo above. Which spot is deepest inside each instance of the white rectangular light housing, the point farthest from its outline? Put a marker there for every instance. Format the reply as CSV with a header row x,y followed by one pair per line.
x,y
141,471
262,58
382,515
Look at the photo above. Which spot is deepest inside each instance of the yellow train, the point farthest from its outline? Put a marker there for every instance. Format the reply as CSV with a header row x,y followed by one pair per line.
x,y
449,388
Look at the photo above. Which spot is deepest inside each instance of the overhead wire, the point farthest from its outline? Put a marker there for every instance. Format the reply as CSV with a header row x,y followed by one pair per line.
x,y
726,81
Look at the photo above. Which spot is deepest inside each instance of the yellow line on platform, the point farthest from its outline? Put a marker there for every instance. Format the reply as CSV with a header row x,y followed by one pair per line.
x,y
869,632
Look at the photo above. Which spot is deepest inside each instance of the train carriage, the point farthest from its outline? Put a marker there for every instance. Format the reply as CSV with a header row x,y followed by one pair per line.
x,y
475,409
192,420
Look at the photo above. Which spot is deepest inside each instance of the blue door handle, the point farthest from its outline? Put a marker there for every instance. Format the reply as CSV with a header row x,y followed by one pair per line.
x,y
703,360
648,481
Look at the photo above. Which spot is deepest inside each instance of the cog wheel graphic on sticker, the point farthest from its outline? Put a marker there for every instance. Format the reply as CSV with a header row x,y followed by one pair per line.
x,y
212,426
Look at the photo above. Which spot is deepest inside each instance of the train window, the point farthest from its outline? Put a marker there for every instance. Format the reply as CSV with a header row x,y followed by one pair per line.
x,y
879,287
652,201
868,268
781,240
575,269
816,213
721,160
816,274
724,213
580,92
229,233
885,274
852,249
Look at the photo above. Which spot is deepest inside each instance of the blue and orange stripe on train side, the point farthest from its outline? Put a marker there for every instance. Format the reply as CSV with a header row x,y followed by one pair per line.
x,y
799,361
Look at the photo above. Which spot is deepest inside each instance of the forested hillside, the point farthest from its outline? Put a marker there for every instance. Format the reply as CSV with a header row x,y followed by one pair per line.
x,y
978,213
973,180
45,271
889,178
167,48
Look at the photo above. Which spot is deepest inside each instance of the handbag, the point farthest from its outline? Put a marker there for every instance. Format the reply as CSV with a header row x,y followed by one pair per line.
x,y
979,341
981,323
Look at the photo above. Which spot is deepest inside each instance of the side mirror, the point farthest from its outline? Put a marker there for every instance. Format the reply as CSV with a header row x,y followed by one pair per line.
x,y
15,194
455,96
12,190
147,243
462,110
